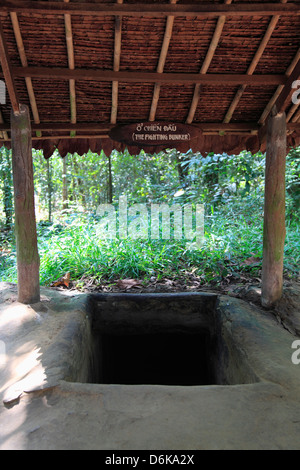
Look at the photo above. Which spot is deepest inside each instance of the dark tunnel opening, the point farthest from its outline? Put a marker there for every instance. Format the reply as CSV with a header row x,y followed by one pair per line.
x,y
161,358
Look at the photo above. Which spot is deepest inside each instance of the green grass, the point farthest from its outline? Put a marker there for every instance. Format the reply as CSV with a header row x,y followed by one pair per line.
x,y
231,238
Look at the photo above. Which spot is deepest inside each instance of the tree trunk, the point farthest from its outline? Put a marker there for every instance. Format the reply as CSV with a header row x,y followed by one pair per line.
x,y
78,183
274,211
183,170
25,223
65,184
49,190
110,189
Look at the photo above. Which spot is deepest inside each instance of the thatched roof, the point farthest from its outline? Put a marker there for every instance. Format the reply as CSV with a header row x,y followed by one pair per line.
x,y
85,67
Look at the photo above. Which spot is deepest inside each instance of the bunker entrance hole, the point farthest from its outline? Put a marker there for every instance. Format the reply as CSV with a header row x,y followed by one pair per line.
x,y
157,358
161,339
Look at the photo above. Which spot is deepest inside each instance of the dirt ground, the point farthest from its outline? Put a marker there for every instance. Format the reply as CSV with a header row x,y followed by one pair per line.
x,y
246,288
40,409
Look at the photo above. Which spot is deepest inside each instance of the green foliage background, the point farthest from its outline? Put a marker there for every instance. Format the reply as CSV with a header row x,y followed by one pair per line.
x,y
231,187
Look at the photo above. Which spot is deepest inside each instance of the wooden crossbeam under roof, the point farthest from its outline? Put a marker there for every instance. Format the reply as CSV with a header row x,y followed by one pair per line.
x,y
171,11
207,10
151,77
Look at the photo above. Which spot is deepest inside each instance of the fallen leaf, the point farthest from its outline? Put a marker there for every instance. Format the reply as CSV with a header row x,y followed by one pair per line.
x,y
62,281
251,260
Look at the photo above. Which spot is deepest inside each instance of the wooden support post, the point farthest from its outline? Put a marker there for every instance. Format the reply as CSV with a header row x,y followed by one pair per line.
x,y
274,210
25,223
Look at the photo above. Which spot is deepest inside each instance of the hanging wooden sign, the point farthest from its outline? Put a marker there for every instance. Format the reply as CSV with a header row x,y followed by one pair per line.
x,y
154,133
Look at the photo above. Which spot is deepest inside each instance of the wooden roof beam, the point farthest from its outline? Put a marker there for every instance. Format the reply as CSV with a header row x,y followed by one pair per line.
x,y
66,127
161,63
7,73
283,100
292,112
272,25
117,58
295,119
23,58
184,78
157,10
71,64
279,89
67,137
207,61
285,97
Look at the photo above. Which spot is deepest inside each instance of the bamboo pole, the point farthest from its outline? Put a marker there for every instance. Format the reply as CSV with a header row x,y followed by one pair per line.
x,y
117,58
23,58
291,112
161,63
71,64
207,61
296,117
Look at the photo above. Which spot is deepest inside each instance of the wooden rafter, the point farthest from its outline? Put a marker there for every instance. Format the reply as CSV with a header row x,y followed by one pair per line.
x,y
7,73
117,57
23,58
66,126
107,75
296,118
279,89
283,99
207,10
161,63
252,66
207,61
292,112
71,64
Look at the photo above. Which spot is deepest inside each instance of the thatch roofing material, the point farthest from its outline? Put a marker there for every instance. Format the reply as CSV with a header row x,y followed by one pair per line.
x,y
93,36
